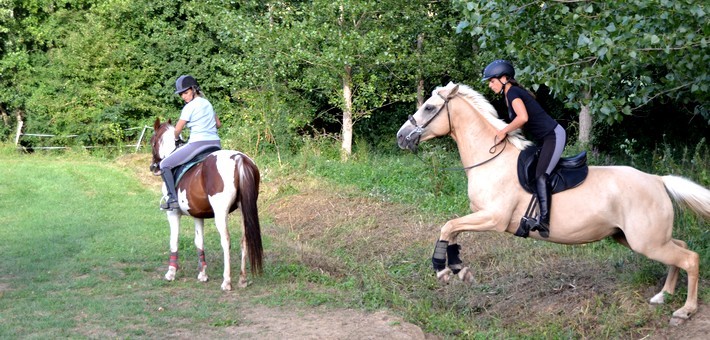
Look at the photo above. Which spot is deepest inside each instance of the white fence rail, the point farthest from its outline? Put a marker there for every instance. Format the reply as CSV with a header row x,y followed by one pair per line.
x,y
20,134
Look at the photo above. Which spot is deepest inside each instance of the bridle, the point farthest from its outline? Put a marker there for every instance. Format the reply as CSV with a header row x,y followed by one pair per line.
x,y
418,129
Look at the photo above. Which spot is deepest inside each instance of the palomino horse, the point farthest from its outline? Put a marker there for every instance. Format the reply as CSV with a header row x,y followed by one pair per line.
x,y
618,201
224,181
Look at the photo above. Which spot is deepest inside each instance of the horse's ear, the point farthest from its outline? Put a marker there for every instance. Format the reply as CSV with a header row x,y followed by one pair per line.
x,y
454,91
156,124
170,122
449,93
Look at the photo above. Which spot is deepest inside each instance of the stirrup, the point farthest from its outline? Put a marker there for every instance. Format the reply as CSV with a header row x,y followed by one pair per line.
x,y
167,204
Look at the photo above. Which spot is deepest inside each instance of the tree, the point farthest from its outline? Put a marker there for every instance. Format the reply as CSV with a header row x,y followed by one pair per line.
x,y
610,58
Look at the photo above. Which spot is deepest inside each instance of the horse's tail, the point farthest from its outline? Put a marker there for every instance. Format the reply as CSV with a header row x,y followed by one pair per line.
x,y
693,195
249,179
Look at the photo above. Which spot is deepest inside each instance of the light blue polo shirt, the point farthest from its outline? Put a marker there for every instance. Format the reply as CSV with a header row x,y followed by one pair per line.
x,y
200,118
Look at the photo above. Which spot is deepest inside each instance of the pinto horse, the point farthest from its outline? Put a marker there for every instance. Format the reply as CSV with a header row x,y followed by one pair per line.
x,y
631,206
224,181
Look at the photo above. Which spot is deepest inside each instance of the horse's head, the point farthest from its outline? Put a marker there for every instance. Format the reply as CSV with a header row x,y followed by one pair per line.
x,y
433,119
162,143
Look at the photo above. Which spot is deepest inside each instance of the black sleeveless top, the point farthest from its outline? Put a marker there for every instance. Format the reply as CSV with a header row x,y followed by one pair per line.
x,y
539,122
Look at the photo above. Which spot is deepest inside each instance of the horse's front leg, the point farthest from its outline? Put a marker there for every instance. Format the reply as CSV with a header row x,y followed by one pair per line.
x,y
447,248
220,220
174,221
200,245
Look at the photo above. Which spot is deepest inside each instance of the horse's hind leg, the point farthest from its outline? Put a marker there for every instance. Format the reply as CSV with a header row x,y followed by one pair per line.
x,y
200,245
174,220
243,269
220,220
674,254
671,279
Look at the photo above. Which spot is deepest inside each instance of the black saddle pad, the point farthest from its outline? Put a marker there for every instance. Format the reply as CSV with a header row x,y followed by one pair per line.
x,y
180,170
569,172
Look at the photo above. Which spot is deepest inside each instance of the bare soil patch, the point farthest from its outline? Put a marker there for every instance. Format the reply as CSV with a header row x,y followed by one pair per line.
x,y
319,323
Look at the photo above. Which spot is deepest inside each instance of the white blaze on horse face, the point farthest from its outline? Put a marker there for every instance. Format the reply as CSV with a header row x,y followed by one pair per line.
x,y
167,143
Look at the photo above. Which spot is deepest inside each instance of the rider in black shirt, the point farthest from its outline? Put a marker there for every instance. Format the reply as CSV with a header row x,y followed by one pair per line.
x,y
526,113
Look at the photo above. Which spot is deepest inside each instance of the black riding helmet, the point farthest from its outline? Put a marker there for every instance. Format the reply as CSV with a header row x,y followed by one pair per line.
x,y
184,83
497,69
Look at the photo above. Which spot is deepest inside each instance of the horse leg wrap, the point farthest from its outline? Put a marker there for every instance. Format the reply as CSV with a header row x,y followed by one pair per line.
x,y
439,257
201,263
452,253
173,260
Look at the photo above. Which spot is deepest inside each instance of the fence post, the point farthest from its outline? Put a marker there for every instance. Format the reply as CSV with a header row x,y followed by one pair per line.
x,y
140,138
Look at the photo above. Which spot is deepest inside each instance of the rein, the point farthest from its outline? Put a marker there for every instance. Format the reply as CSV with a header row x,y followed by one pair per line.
x,y
419,129
491,150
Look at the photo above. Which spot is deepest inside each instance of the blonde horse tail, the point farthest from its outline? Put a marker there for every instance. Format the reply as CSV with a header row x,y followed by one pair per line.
x,y
693,195
249,179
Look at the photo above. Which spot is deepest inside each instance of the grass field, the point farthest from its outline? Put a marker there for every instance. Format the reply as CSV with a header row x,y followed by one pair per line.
x,y
84,248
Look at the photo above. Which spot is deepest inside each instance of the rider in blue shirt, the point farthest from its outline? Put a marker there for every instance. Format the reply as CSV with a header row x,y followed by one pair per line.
x,y
199,116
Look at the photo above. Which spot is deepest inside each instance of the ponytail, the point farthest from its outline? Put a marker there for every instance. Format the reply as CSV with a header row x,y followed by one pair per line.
x,y
514,82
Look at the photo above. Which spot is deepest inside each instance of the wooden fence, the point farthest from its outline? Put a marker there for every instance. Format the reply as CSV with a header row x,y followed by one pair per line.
x,y
20,134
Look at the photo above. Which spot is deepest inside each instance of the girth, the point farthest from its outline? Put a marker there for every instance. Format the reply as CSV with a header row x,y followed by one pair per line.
x,y
568,173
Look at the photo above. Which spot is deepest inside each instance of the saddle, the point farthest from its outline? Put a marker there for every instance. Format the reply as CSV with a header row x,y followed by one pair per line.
x,y
569,172
180,170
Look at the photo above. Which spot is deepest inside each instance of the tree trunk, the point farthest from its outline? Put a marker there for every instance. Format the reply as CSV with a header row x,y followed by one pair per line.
x,y
5,116
585,122
347,133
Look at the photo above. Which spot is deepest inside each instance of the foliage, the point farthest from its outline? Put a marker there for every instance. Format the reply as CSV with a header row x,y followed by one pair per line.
x,y
625,54
274,69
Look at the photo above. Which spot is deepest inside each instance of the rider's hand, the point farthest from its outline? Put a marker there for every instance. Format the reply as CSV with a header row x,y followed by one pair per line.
x,y
500,136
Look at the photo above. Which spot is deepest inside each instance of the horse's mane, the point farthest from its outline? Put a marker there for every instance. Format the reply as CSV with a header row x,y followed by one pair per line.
x,y
484,107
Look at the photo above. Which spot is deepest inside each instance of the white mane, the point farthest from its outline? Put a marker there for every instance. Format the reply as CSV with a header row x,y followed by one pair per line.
x,y
484,107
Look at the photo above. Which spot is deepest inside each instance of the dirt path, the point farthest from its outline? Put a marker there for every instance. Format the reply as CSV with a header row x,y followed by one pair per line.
x,y
276,323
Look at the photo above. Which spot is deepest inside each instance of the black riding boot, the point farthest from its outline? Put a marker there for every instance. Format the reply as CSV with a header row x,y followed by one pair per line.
x,y
544,197
171,203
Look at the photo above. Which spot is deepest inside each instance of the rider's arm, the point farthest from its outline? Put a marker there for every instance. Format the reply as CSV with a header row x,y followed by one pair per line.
x,y
521,117
178,127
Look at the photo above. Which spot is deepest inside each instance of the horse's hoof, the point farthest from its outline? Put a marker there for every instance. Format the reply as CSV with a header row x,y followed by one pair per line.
x,y
226,286
675,321
465,275
202,277
444,276
243,283
682,314
658,299
170,275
